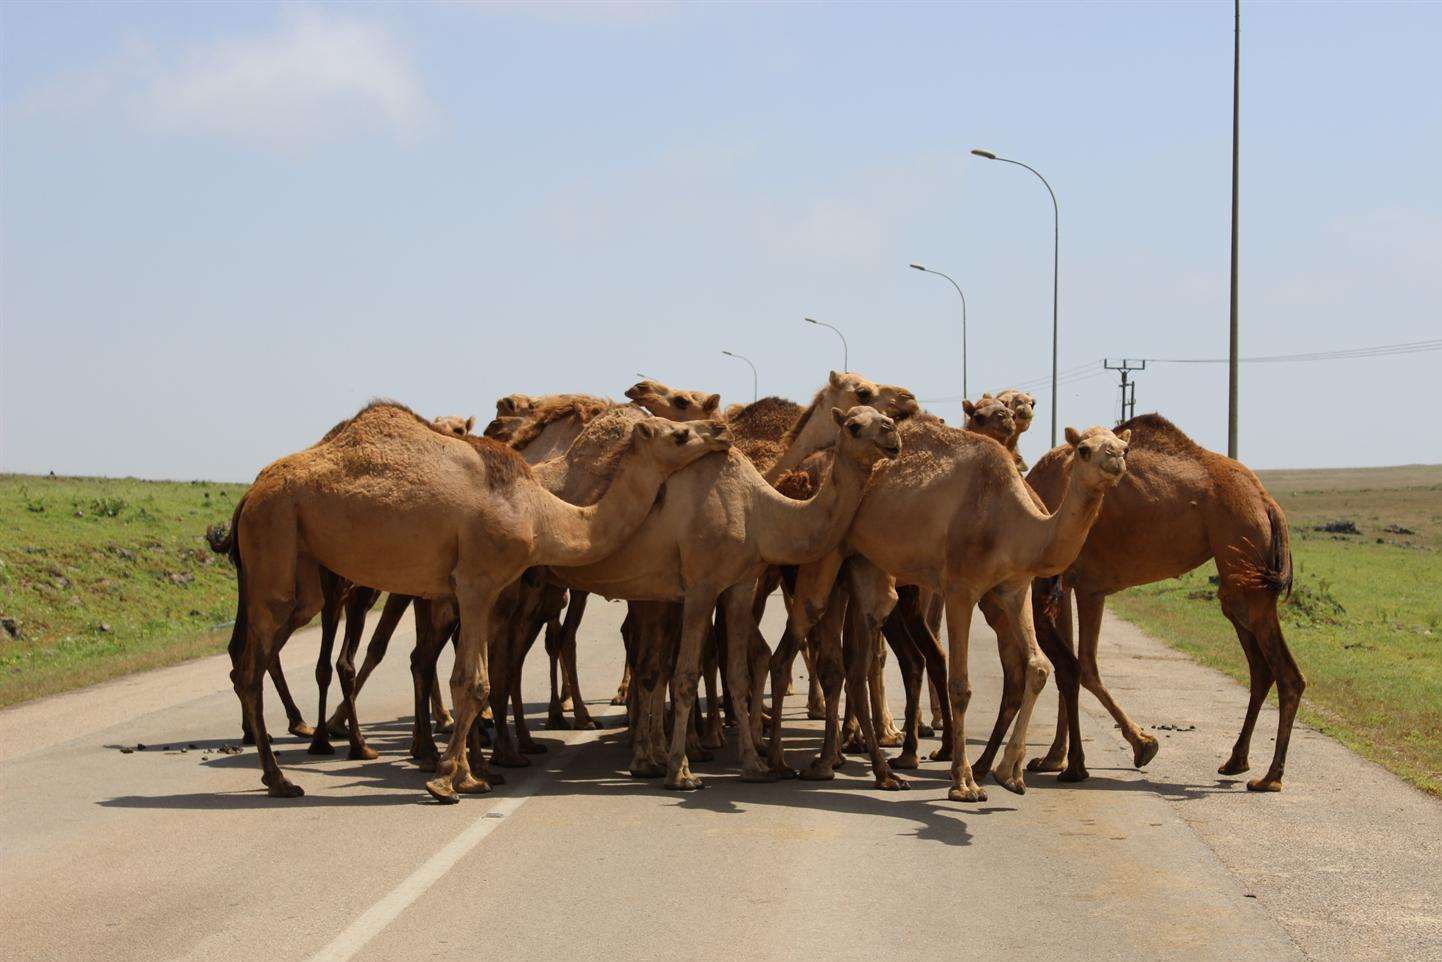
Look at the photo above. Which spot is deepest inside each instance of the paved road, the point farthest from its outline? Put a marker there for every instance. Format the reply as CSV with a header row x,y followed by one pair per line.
x,y
180,855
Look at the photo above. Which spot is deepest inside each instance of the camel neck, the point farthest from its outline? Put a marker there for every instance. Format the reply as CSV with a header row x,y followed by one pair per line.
x,y
1070,524
798,532
569,535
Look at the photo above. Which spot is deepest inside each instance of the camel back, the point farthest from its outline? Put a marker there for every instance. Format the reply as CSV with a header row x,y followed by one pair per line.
x,y
554,407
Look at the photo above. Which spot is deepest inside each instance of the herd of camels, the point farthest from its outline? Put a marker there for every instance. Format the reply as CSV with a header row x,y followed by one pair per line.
x,y
874,518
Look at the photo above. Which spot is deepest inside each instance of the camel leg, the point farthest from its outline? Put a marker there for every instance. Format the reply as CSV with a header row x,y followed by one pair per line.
x,y
1054,634
934,607
872,599
295,719
713,735
395,606
556,706
649,627
576,608
441,717
695,622
925,638
959,602
1013,669
830,669
532,629
742,641
908,659
357,605
264,628
1261,683
434,623
1021,640
505,654
1260,608
470,682
780,667
887,734
332,589
1089,607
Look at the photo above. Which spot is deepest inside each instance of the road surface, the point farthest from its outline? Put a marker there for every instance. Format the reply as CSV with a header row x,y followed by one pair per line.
x,y
170,854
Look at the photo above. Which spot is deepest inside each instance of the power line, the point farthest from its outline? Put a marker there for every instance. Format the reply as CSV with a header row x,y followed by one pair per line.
x,y
1091,369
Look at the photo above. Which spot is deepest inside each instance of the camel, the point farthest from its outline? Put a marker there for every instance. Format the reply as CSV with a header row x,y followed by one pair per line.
x,y
664,402
1178,506
1023,407
390,503
708,540
951,515
338,597
991,417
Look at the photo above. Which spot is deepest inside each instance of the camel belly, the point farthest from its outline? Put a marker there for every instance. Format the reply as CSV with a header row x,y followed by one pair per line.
x,y
395,550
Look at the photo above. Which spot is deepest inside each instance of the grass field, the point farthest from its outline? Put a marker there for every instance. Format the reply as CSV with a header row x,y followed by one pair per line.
x,y
101,577
1365,618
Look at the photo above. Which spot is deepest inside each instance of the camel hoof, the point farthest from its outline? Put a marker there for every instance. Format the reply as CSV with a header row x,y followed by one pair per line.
x,y
892,740
301,730
892,783
686,783
318,747
428,763
908,761
471,785
818,771
781,770
338,729
964,793
1266,784
940,755
758,775
557,723
854,747
816,714
362,753
925,731
534,748
1145,752
1014,785
1045,763
647,770
441,790
1233,766
1078,774
285,789
587,724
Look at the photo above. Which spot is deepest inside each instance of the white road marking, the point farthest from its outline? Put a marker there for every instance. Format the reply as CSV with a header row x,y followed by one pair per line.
x,y
373,920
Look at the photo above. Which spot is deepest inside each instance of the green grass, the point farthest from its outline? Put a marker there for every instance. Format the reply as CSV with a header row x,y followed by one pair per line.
x,y
108,576
1364,621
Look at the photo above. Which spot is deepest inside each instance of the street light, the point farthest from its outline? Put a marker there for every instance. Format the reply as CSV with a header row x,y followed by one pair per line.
x,y
742,357
845,351
1055,250
918,267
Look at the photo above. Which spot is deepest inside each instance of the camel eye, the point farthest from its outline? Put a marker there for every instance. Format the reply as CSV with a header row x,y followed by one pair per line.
x,y
863,394
855,429
681,436
682,403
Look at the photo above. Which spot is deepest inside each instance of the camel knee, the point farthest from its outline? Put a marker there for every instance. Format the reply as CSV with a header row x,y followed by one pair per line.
x,y
960,692
1037,672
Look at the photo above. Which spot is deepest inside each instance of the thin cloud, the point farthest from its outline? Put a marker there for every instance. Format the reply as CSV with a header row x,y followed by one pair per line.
x,y
316,77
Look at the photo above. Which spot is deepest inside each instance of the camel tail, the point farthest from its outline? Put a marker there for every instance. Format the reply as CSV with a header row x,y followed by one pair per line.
x,y
223,540
1049,593
221,537
1270,570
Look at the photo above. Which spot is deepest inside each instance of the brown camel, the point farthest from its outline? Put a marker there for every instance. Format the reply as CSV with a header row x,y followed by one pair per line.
x,y
952,515
389,503
710,538
673,405
1023,407
1178,506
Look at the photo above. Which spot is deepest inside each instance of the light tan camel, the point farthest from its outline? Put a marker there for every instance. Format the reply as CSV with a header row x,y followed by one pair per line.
x,y
990,417
1023,407
1178,506
673,405
952,515
710,538
389,503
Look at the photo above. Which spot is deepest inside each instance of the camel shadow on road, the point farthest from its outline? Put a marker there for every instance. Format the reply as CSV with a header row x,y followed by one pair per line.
x,y
597,768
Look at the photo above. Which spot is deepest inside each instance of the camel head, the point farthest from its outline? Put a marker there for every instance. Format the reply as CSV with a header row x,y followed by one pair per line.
x,y
866,435
673,405
514,405
503,428
672,446
850,389
1099,454
990,416
1022,406
454,425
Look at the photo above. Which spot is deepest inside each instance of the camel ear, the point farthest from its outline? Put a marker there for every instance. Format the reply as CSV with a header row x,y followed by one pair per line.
x,y
711,403
643,431
968,407
1072,437
1125,437
985,395
838,415
835,379
470,423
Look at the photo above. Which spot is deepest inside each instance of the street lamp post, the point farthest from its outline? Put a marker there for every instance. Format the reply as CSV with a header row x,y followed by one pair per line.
x,y
964,392
1055,250
845,351
742,357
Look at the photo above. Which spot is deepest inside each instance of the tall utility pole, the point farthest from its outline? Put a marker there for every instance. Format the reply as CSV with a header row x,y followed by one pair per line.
x,y
965,393
1232,354
1129,387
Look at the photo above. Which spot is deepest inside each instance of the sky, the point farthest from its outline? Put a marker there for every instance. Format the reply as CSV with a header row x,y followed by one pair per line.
x,y
227,226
